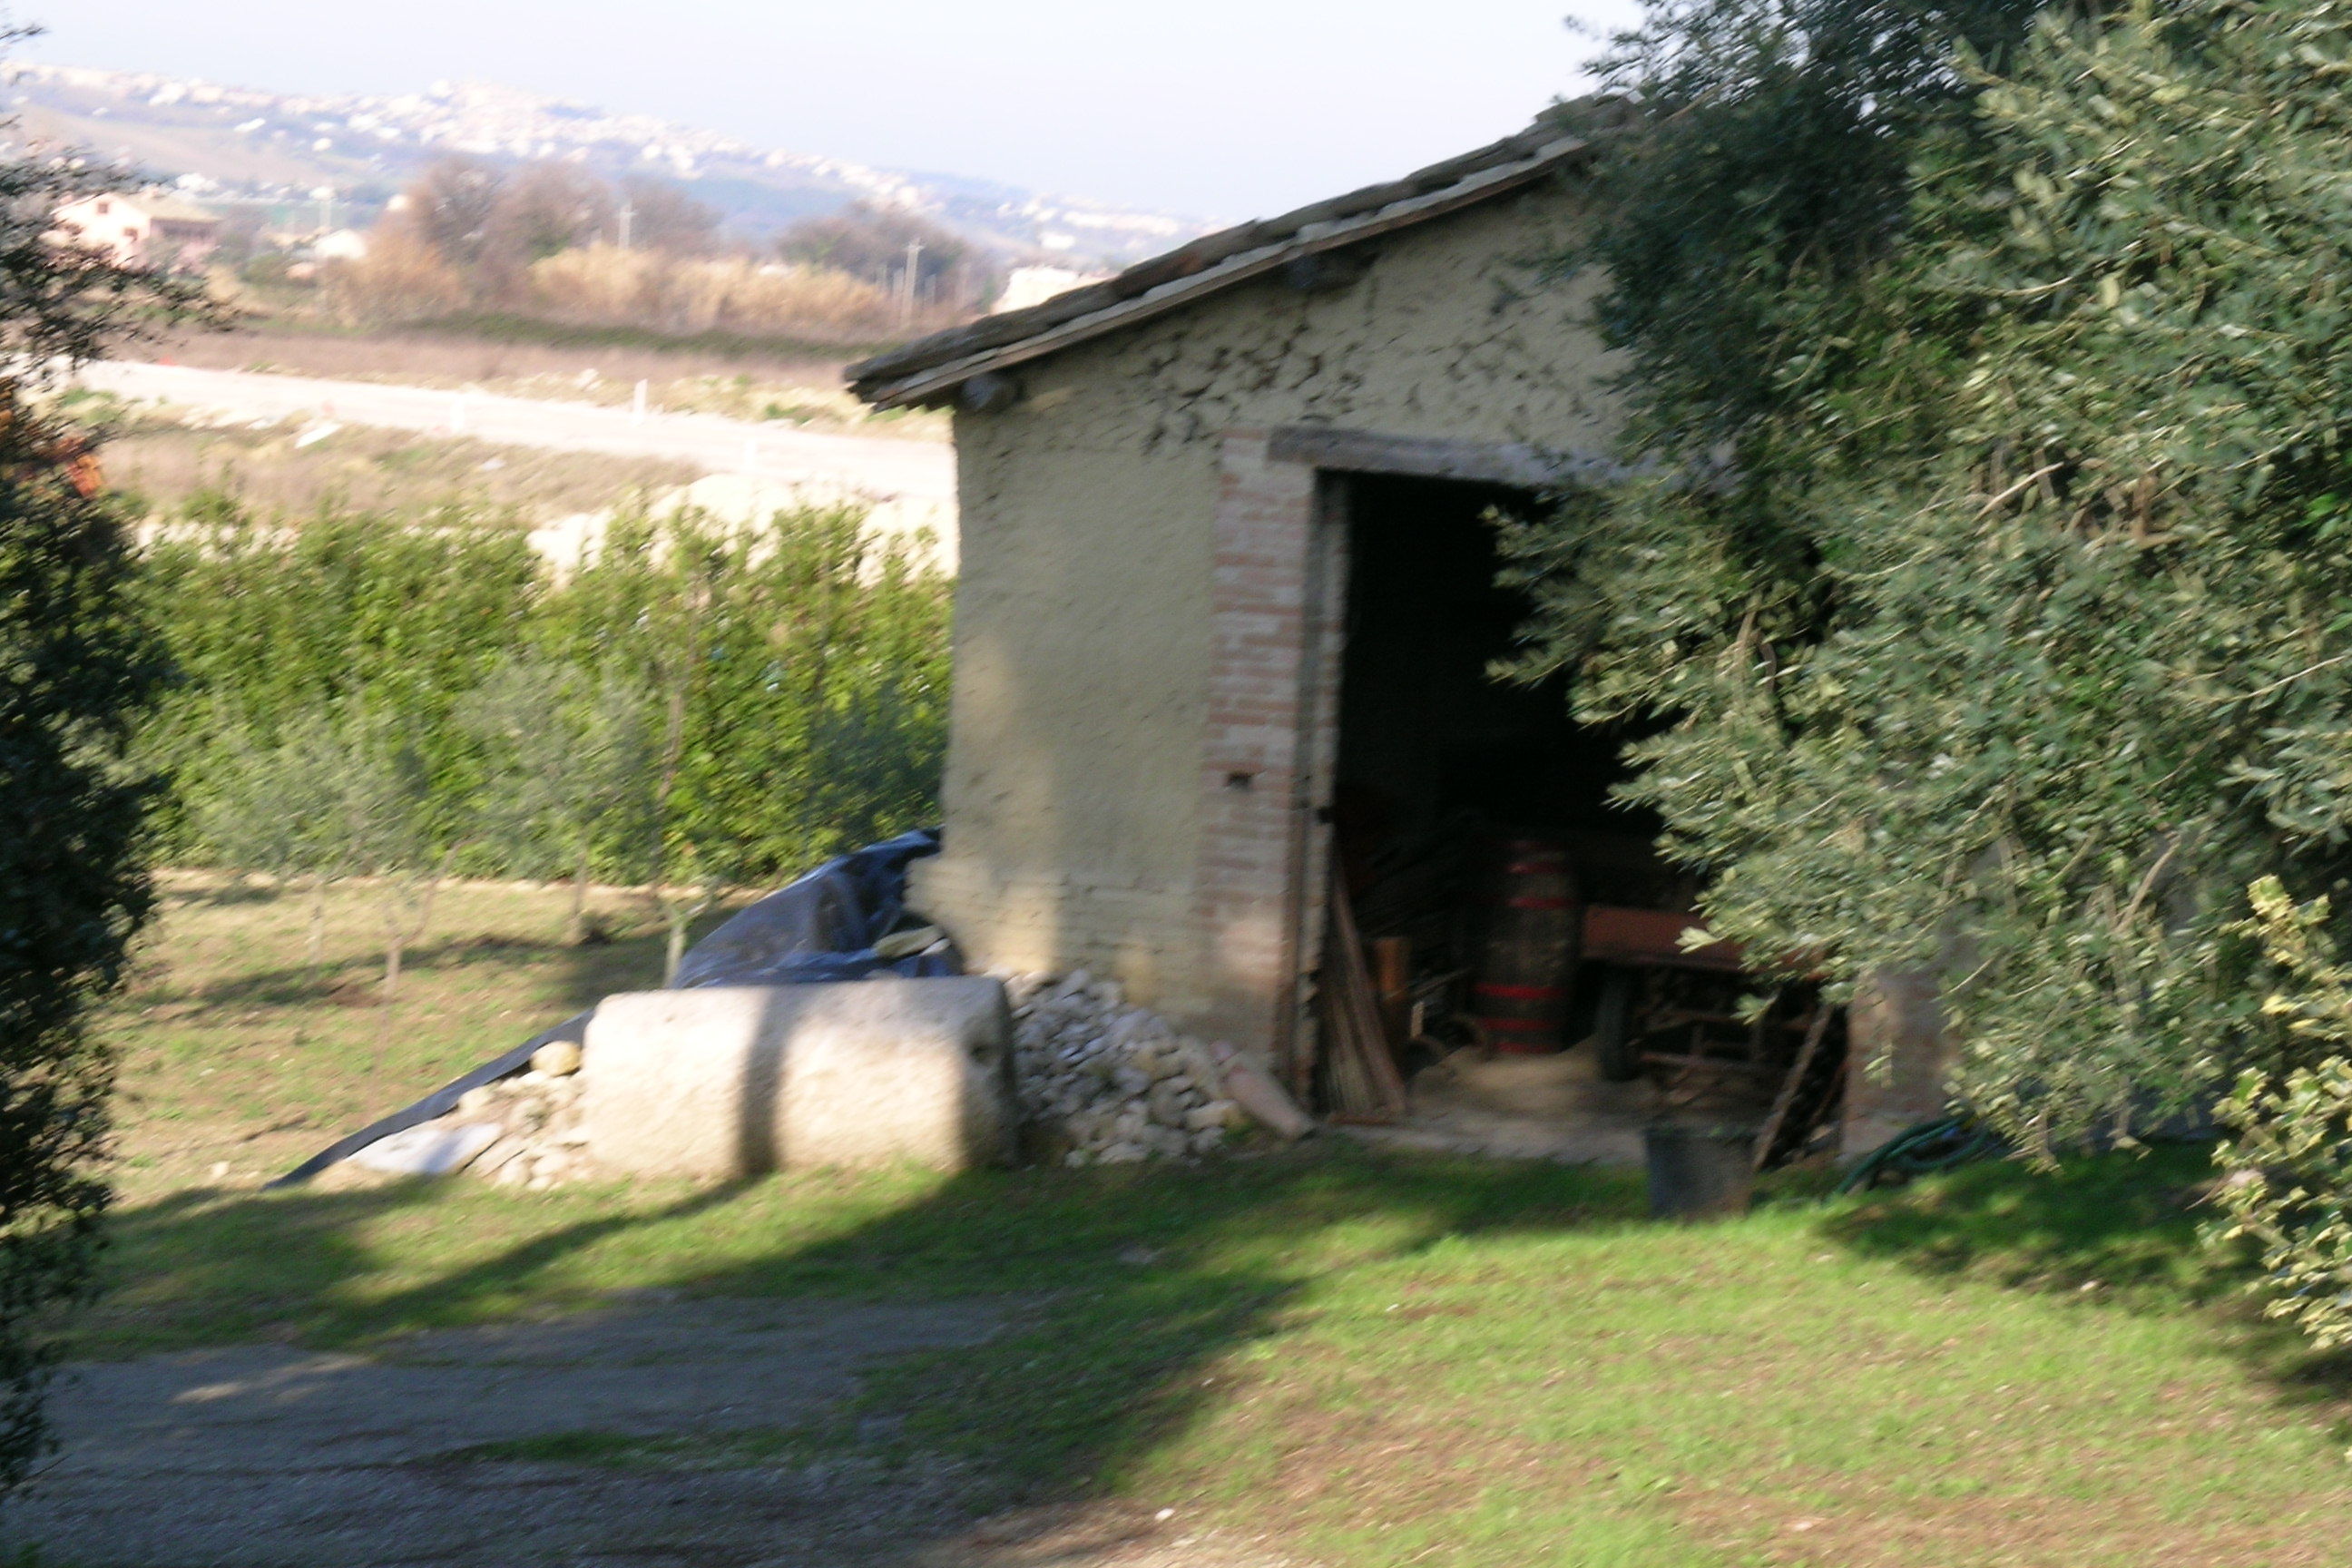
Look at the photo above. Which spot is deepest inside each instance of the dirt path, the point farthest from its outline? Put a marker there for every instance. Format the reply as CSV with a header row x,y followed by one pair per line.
x,y
272,1457
877,467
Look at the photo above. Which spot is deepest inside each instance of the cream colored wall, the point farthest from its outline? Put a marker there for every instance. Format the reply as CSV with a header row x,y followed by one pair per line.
x,y
1087,518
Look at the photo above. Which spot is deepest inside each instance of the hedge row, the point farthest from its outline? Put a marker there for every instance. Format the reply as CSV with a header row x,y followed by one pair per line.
x,y
739,699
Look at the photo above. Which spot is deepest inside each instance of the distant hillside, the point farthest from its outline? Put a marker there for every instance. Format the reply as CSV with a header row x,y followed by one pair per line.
x,y
243,144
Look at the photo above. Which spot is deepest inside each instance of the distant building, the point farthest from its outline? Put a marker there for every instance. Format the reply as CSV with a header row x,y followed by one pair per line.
x,y
1028,286
340,245
144,229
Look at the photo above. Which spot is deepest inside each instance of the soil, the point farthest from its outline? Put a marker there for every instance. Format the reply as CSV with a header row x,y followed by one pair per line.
x,y
1554,1107
449,1447
401,356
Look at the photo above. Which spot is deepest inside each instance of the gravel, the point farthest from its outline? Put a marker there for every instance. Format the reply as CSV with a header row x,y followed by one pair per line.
x,y
1114,1084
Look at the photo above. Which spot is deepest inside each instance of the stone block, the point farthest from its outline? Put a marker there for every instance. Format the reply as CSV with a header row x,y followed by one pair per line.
x,y
726,1081
1896,1040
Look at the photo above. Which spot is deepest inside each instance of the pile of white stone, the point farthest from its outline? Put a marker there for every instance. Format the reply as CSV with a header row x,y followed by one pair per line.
x,y
1115,1082
540,1142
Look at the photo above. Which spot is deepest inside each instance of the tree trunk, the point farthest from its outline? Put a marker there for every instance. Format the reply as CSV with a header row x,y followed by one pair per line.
x,y
576,931
395,943
392,952
318,944
398,935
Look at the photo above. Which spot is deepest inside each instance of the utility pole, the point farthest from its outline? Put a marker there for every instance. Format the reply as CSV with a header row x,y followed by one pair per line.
x,y
906,283
628,214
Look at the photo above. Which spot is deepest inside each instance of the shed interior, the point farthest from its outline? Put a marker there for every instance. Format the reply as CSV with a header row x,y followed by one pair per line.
x,y
1519,935
1430,740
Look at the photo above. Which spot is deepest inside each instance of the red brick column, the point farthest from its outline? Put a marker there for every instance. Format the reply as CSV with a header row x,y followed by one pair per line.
x,y
1267,712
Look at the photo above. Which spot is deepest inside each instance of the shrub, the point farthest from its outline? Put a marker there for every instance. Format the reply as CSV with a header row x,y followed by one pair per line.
x,y
603,285
78,666
789,676
800,670
401,279
2289,1186
273,626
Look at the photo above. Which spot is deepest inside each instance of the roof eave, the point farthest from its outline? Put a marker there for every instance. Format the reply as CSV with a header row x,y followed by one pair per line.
x,y
927,385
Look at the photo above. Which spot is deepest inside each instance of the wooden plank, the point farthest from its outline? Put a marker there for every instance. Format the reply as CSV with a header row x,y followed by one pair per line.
x,y
1362,1072
1392,988
1789,1086
1703,1064
1652,937
1436,457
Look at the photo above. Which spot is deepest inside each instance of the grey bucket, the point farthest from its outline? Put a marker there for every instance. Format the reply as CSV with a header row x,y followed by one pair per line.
x,y
1696,1171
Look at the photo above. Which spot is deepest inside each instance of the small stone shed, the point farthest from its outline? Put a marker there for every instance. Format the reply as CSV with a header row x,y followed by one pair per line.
x,y
1227,576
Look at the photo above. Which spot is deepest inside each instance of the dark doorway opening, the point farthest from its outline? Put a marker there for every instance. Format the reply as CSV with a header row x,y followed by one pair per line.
x,y
1480,851
1427,734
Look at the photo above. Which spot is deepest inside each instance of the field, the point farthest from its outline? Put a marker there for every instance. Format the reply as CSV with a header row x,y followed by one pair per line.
x,y
1359,1359
742,380
162,462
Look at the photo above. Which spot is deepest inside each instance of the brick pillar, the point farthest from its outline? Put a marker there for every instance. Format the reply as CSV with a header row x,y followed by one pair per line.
x,y
1269,713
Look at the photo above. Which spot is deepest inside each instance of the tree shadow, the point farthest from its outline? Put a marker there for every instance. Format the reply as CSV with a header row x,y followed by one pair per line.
x,y
2126,1231
1126,1287
583,974
1125,1282
224,894
2128,1222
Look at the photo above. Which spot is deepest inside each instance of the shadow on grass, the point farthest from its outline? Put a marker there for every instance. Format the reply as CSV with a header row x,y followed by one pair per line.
x,y
2124,1228
226,893
586,973
2128,1222
1124,1282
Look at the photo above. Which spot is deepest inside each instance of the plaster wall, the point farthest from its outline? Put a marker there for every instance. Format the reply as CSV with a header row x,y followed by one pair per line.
x,y
1077,793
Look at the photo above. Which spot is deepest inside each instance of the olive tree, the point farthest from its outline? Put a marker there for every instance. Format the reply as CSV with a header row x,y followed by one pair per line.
x,y
77,668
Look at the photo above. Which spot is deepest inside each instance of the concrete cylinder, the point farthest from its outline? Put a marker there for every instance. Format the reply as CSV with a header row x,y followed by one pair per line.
x,y
728,1082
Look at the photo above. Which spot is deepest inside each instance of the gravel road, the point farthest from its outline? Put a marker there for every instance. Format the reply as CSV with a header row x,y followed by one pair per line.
x,y
880,468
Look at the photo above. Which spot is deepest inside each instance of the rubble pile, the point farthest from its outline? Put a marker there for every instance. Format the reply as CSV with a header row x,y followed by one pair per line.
x,y
1103,1082
541,1141
1115,1082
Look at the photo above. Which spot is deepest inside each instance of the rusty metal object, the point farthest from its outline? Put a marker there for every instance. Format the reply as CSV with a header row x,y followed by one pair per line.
x,y
1533,938
1652,937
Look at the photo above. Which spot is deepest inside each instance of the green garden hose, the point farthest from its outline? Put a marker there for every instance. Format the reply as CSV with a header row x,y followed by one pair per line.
x,y
1916,1151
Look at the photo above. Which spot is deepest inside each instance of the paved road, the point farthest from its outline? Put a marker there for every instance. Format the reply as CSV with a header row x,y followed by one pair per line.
x,y
920,474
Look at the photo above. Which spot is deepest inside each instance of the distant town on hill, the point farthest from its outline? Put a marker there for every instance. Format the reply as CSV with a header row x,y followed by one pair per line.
x,y
344,157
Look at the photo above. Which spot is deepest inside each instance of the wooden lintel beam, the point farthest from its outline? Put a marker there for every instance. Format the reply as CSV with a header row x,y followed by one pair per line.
x,y
1514,463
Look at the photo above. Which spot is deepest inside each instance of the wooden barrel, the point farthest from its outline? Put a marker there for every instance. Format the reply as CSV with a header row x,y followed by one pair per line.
x,y
1520,996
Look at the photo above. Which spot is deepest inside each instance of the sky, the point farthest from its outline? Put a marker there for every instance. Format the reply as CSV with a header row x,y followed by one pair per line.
x,y
1223,109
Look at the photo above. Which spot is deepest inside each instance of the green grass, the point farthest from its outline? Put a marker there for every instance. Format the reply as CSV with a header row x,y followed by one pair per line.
x,y
1377,1360
239,1057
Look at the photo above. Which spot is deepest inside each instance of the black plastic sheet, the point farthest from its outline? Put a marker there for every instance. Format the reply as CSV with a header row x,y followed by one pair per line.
x,y
822,927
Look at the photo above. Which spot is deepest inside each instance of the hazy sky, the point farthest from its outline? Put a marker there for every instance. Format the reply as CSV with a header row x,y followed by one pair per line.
x,y
1222,108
